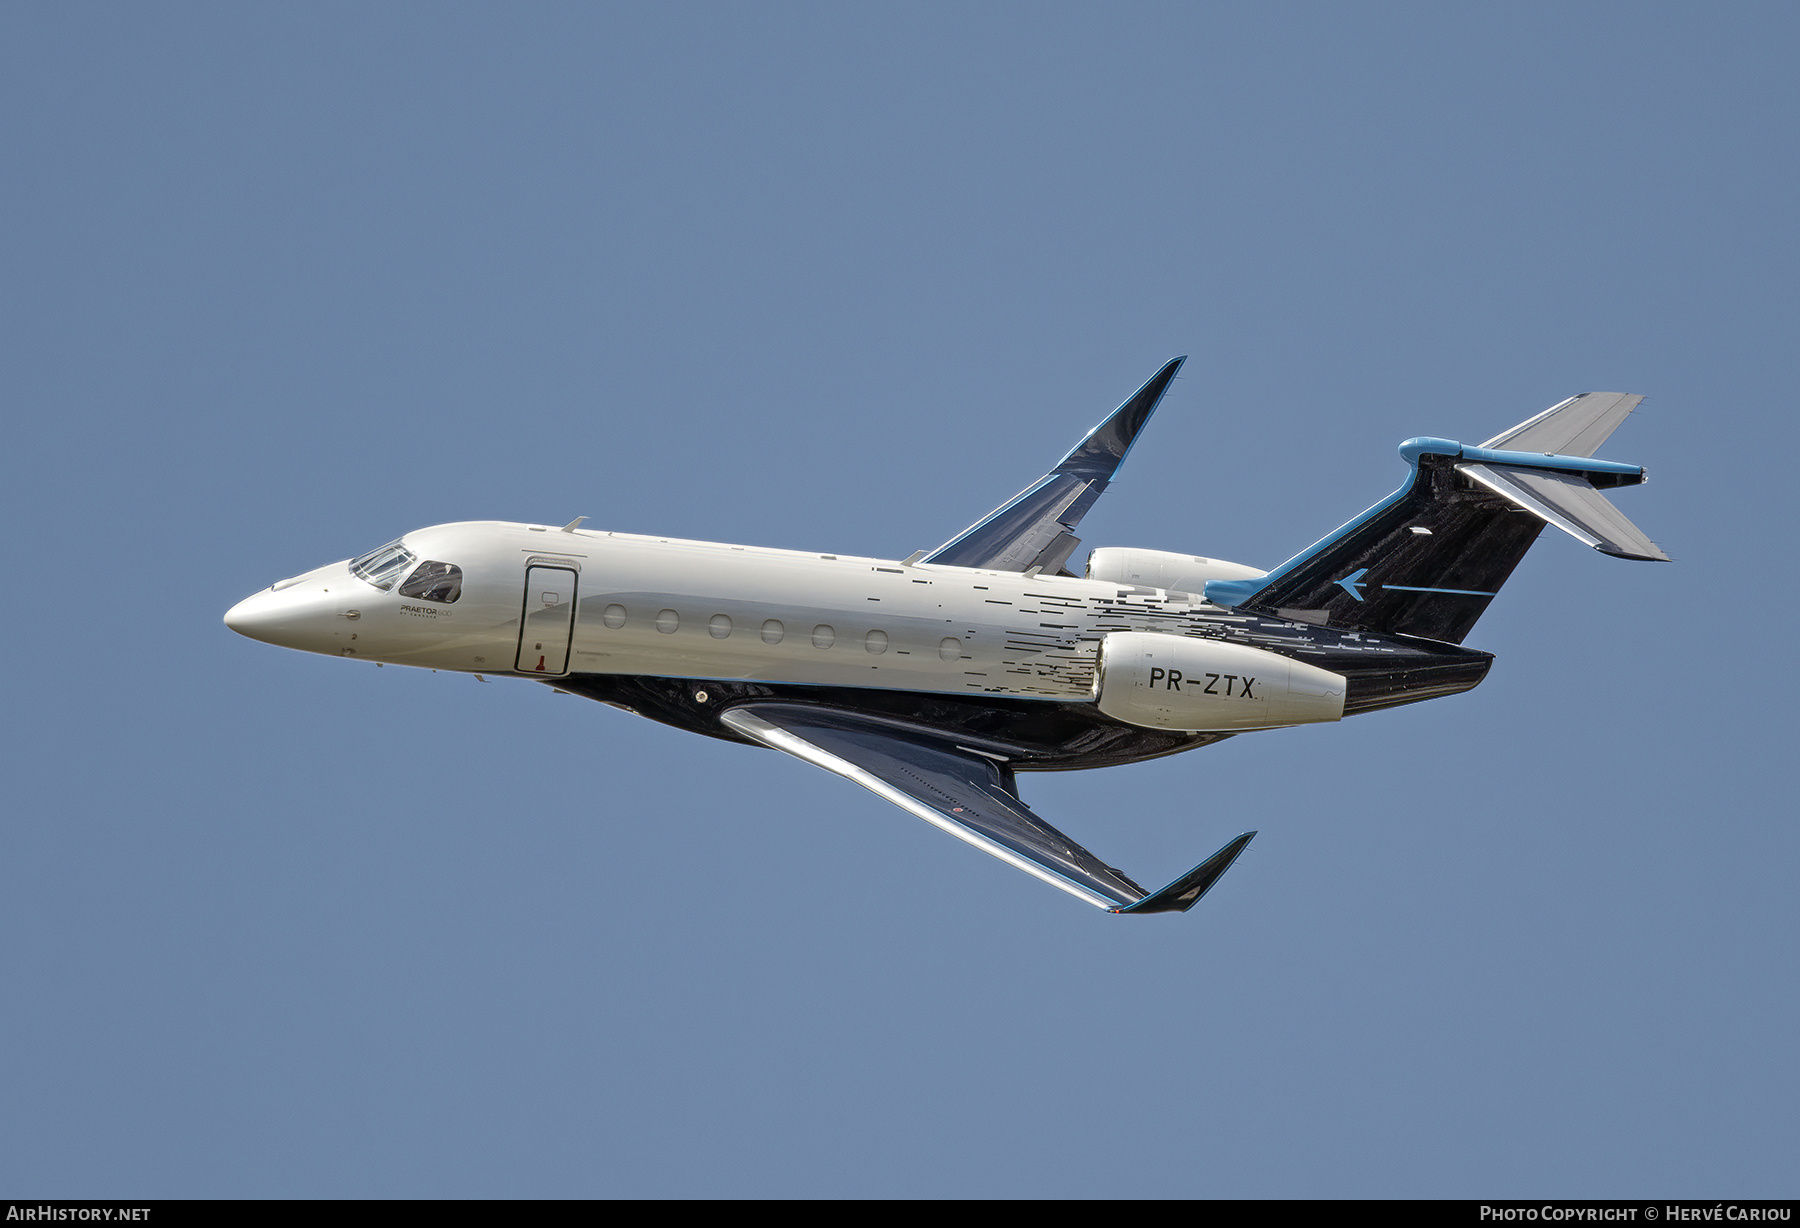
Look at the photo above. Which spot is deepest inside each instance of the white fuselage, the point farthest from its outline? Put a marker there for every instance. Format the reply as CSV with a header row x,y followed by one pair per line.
x,y
685,609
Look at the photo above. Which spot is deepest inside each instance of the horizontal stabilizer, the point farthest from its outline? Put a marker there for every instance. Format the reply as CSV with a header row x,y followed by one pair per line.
x,y
1575,427
1570,502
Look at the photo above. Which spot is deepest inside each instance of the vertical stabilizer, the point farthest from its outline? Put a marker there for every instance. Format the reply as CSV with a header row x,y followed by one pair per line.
x,y
1428,559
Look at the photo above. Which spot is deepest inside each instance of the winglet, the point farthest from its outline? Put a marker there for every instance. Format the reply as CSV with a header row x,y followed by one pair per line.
x,y
1185,892
1101,453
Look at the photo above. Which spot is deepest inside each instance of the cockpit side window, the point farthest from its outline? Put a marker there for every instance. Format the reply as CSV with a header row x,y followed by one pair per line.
x,y
382,567
434,582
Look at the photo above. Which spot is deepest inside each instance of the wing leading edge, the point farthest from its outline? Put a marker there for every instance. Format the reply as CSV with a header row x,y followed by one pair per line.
x,y
1034,529
968,794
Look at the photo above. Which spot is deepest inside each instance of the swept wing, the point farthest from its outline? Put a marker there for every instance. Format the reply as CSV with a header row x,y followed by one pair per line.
x,y
1034,528
968,793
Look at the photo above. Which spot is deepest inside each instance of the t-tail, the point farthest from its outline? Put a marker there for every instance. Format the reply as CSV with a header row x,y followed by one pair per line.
x,y
1427,560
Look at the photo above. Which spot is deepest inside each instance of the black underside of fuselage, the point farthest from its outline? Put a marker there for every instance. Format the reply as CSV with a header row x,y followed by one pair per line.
x,y
1033,734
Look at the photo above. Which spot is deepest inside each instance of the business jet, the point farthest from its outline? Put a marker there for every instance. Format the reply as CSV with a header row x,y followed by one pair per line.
x,y
934,680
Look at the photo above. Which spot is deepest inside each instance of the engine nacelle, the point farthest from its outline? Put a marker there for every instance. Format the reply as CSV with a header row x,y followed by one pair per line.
x,y
1179,573
1165,681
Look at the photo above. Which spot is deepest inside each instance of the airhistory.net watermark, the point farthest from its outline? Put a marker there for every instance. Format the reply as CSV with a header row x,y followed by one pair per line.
x,y
49,1213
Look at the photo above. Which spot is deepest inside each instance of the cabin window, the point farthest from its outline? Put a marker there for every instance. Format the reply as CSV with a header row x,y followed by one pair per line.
x,y
719,626
950,648
823,636
668,622
772,631
613,616
440,582
382,567
876,641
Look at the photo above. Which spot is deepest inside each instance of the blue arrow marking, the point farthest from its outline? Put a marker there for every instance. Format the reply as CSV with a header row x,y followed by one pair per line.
x,y
1353,583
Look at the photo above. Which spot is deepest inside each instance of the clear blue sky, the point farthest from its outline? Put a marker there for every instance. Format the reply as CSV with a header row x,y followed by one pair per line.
x,y
285,280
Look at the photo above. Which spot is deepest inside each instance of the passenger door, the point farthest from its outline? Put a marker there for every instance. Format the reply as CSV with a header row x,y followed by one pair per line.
x,y
547,621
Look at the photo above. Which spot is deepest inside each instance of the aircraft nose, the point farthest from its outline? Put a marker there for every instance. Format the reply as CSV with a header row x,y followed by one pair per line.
x,y
259,617
293,618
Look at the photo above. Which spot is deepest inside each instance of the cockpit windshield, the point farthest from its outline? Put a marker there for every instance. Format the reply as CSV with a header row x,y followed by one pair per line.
x,y
434,582
382,567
